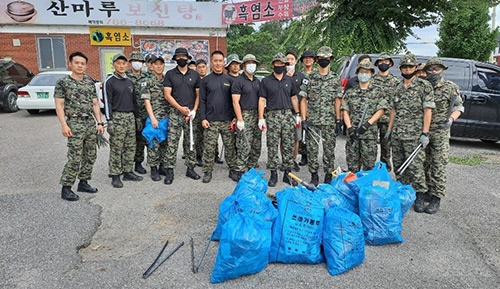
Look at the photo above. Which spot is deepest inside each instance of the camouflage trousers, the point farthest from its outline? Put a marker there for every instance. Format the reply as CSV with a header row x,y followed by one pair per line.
x,y
82,151
210,139
280,129
327,132
198,139
414,175
361,154
385,146
177,125
436,160
122,144
141,143
157,153
249,141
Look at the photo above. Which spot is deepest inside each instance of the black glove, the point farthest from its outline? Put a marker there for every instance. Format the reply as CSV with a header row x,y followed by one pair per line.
x,y
352,133
110,127
338,126
138,124
364,127
305,125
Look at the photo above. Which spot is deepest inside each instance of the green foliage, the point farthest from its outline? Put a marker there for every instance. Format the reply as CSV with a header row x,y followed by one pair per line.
x,y
472,160
465,31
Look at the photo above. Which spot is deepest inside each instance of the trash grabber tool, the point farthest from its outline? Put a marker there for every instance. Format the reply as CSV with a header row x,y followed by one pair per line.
x,y
304,136
307,185
153,268
361,120
408,161
314,135
203,255
191,135
192,255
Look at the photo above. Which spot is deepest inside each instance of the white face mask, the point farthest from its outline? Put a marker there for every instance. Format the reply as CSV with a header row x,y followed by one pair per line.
x,y
136,65
250,68
290,67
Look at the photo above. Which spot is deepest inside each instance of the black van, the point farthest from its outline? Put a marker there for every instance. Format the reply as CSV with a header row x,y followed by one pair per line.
x,y
479,88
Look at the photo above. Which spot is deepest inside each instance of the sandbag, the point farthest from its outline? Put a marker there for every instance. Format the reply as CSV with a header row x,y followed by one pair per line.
x,y
343,240
244,247
380,212
297,231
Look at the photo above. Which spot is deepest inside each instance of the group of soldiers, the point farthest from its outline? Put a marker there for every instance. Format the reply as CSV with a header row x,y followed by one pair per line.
x,y
297,109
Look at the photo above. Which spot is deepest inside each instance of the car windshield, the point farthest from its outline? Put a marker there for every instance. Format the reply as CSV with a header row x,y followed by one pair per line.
x,y
46,79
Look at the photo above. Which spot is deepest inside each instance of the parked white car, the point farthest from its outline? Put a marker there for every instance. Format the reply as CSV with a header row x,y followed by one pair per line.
x,y
39,93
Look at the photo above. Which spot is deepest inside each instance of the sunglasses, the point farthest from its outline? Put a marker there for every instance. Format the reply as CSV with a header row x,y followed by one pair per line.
x,y
434,68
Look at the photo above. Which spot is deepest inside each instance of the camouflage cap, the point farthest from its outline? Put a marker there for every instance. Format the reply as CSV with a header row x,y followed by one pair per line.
x,y
408,59
232,58
149,57
307,53
249,57
324,51
384,56
279,57
435,61
366,65
136,55
420,66
119,56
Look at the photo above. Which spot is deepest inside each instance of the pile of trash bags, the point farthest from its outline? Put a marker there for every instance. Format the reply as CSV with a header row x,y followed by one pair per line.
x,y
331,224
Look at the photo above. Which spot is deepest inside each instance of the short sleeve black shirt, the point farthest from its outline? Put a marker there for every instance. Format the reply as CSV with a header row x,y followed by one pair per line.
x,y
248,91
216,103
183,85
278,93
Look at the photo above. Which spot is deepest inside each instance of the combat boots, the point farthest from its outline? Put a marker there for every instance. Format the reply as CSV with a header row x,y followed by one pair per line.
x,y
155,174
83,186
68,195
207,177
419,205
116,182
139,168
314,178
190,173
287,179
328,178
162,170
303,160
296,167
273,179
234,175
169,176
433,206
130,176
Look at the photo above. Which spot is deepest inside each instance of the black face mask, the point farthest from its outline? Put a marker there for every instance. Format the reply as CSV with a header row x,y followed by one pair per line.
x,y
182,62
279,69
383,67
324,62
407,75
433,78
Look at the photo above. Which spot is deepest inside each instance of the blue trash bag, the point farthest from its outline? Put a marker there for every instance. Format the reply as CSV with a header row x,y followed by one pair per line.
x,y
378,176
253,180
380,212
243,249
159,134
406,195
345,190
297,231
343,240
227,210
330,197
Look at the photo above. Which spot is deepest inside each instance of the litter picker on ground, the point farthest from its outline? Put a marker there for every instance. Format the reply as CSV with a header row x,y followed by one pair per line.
x,y
307,185
153,268
202,255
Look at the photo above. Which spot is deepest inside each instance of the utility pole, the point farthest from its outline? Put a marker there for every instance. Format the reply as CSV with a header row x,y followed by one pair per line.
x,y
493,26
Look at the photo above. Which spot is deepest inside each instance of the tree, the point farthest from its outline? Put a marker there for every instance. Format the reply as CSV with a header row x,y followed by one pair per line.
x,y
465,32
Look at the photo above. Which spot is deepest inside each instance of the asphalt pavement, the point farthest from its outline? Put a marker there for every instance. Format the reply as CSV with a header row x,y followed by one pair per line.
x,y
108,239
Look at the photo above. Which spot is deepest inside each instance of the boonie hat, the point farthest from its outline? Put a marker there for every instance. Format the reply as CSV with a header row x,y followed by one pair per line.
x,y
279,57
181,51
307,53
408,59
136,55
366,65
119,56
384,56
324,51
232,58
249,57
435,61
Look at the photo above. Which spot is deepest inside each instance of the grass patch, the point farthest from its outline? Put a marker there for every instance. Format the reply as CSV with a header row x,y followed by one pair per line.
x,y
472,160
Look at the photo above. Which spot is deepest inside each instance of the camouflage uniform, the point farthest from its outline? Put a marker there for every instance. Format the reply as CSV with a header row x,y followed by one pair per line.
x,y
321,92
138,79
363,154
436,153
210,142
280,129
78,107
388,84
409,104
249,154
152,89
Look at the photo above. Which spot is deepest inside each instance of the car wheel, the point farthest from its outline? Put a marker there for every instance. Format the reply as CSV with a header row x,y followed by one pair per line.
x,y
33,111
489,140
10,104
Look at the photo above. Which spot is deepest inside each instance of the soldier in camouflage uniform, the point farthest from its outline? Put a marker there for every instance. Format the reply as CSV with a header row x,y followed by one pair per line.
x,y
387,82
245,92
156,107
361,146
138,77
122,114
278,96
307,58
321,97
449,107
409,124
78,111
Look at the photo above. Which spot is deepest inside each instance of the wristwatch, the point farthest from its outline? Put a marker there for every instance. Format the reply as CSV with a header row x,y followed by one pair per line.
x,y
100,123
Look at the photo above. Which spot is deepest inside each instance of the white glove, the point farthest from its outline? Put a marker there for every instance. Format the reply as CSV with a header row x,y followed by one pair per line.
x,y
298,120
192,114
240,125
449,122
262,124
